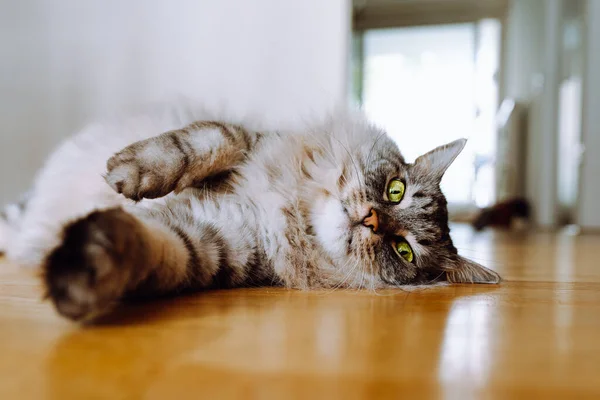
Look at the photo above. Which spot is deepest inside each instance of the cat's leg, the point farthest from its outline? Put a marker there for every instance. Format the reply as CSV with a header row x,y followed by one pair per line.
x,y
113,254
178,159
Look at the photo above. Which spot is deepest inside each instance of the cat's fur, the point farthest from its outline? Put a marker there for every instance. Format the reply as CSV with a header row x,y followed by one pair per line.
x,y
218,204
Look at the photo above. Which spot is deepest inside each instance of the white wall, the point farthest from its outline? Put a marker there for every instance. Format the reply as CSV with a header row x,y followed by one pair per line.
x,y
65,62
589,196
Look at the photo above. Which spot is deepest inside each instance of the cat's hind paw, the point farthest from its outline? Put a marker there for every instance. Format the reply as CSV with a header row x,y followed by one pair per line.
x,y
88,273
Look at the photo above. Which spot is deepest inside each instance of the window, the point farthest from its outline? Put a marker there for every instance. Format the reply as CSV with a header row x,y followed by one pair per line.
x,y
430,85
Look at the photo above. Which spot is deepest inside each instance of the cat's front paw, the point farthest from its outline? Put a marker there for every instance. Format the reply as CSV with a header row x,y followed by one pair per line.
x,y
148,169
89,272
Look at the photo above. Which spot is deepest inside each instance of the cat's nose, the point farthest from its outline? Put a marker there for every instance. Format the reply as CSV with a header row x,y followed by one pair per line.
x,y
371,220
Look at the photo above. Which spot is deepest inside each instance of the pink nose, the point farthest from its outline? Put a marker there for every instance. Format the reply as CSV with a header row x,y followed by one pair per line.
x,y
371,220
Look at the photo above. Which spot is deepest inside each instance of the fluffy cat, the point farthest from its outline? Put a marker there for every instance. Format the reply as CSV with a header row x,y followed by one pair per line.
x,y
173,201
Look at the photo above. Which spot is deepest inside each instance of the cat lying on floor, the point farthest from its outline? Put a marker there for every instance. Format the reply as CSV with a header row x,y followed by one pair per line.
x,y
172,201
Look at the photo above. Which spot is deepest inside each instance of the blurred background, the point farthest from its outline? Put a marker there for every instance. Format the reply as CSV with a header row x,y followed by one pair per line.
x,y
519,78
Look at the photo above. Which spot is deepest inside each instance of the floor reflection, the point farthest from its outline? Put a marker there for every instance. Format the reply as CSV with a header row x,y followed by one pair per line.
x,y
249,339
466,348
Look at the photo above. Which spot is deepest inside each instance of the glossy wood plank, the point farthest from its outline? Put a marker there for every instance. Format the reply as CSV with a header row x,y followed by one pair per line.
x,y
535,336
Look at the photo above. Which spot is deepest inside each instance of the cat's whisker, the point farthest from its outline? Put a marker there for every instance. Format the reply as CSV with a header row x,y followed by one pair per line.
x,y
373,147
344,177
374,287
354,268
352,274
358,175
434,280
363,280
346,277
324,147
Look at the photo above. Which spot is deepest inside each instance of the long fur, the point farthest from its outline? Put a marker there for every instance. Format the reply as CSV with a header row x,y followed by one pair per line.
x,y
179,198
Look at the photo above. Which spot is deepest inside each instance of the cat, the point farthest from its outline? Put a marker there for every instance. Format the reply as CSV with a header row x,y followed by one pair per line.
x,y
172,201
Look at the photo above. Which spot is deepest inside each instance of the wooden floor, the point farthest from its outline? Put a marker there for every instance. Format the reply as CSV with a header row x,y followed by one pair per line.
x,y
535,336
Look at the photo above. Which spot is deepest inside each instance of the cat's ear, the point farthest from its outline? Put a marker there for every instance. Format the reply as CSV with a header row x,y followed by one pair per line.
x,y
437,161
467,271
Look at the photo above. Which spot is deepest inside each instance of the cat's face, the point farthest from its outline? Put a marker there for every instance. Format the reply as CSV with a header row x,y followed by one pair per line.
x,y
386,221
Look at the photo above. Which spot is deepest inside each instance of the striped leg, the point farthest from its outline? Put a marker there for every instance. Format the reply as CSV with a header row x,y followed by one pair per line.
x,y
111,254
178,159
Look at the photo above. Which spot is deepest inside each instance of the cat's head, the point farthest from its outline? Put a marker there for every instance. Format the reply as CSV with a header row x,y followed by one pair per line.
x,y
386,222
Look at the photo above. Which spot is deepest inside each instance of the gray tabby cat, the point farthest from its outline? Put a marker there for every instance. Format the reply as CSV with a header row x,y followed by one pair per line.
x,y
330,205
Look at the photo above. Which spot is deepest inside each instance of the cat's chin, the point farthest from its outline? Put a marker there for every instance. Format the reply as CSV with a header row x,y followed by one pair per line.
x,y
332,226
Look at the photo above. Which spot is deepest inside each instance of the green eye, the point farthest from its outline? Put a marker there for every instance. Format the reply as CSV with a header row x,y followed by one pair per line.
x,y
403,249
395,191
